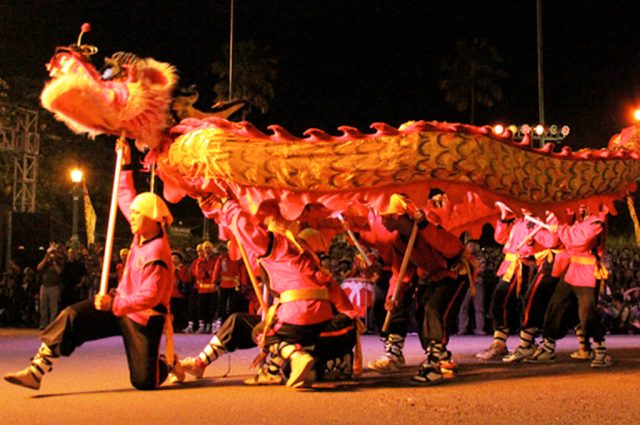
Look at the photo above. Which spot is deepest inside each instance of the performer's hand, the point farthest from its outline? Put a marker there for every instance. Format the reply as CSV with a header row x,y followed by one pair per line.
x,y
122,143
103,302
433,218
390,304
419,215
505,211
570,215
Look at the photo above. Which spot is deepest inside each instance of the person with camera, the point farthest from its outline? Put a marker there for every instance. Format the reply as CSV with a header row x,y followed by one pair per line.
x,y
50,271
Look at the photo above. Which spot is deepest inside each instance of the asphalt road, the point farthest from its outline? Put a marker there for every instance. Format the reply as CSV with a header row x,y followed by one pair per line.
x,y
92,387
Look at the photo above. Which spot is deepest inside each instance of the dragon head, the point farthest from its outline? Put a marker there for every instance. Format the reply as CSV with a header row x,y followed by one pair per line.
x,y
627,140
129,94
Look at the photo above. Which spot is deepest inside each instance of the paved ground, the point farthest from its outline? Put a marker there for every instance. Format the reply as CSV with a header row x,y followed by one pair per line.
x,y
92,387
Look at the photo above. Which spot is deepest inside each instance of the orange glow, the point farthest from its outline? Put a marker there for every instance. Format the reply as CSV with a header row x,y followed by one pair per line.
x,y
498,129
636,115
76,175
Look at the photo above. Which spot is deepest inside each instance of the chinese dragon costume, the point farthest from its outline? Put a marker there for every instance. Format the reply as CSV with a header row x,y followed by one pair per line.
x,y
320,175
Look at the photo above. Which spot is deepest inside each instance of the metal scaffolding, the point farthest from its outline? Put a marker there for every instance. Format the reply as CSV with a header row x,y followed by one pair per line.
x,y
19,151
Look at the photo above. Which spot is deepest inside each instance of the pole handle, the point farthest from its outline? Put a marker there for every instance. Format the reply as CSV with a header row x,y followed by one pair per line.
x,y
356,243
401,273
113,211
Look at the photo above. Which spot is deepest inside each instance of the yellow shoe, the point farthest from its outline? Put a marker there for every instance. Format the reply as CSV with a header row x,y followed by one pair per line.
x,y
581,354
25,378
193,366
265,378
301,370
176,372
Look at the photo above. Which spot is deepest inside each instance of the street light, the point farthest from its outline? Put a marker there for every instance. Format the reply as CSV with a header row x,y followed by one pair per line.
x,y
76,192
540,133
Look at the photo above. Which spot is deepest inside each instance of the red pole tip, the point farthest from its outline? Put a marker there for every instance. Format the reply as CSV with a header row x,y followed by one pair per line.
x,y
86,27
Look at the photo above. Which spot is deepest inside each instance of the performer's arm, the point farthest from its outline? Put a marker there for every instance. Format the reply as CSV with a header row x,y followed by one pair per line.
x,y
395,270
340,300
253,237
580,235
503,229
445,242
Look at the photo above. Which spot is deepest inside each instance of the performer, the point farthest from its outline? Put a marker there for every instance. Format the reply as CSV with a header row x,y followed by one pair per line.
x,y
516,234
137,310
333,350
442,257
305,291
584,239
542,285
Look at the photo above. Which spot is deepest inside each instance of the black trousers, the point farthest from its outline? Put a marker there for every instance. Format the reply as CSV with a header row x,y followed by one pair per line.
x,y
228,302
336,338
506,303
440,303
561,311
537,297
81,322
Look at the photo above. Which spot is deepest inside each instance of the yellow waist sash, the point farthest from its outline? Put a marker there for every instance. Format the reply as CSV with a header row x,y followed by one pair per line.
x,y
304,294
547,254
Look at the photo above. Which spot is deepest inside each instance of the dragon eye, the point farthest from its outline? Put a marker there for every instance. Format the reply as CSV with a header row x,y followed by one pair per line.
x,y
107,73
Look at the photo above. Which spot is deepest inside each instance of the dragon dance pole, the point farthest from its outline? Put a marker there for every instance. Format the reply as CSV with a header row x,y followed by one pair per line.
x,y
401,273
113,211
353,238
538,222
529,236
252,277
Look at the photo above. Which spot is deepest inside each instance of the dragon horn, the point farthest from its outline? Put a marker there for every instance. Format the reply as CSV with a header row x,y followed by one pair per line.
x,y
86,27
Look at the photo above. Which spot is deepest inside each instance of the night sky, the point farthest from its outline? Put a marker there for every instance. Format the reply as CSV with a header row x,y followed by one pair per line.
x,y
361,61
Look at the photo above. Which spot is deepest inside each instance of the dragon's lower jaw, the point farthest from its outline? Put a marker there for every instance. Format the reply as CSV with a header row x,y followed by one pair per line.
x,y
79,104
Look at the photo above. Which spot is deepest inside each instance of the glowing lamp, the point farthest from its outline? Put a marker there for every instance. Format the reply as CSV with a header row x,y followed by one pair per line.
x,y
525,129
636,115
539,130
498,129
553,130
76,175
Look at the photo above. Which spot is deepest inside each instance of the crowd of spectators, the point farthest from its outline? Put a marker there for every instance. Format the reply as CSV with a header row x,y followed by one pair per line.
x,y
31,296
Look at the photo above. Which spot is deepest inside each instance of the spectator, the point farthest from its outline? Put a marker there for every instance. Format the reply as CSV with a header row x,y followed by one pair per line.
x,y
74,277
181,289
477,300
50,271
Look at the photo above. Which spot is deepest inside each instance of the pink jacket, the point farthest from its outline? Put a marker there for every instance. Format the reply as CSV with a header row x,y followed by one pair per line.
x,y
511,234
287,268
147,280
581,239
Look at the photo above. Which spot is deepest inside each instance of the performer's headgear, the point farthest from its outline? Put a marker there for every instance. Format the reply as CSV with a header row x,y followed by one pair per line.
x,y
397,205
207,245
314,239
153,207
